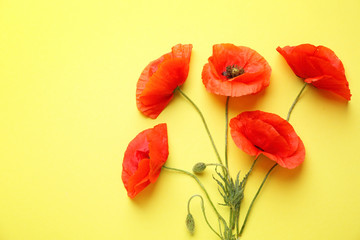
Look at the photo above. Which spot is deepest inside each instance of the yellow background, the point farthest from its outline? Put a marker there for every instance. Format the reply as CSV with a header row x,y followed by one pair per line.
x,y
68,72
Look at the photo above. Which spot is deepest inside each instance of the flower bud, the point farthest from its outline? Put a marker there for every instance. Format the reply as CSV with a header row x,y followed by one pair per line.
x,y
190,223
199,167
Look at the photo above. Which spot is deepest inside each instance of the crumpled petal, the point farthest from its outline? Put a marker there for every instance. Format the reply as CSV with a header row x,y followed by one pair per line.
x,y
143,159
257,132
319,66
160,78
255,78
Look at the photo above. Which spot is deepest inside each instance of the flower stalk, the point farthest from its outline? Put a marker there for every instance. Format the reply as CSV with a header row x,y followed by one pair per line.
x,y
200,184
256,195
204,214
204,122
226,130
295,101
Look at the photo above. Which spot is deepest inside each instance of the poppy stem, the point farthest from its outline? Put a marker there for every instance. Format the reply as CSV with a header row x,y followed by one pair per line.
x,y
200,184
204,122
203,210
295,101
217,165
243,186
257,193
226,130
251,168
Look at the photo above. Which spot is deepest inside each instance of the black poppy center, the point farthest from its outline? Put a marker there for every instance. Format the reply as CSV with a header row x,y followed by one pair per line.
x,y
233,71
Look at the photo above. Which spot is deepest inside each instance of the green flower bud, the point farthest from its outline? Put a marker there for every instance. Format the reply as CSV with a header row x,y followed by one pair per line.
x,y
199,167
190,223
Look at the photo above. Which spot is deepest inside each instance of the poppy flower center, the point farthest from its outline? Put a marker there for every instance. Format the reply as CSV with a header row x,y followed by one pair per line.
x,y
233,71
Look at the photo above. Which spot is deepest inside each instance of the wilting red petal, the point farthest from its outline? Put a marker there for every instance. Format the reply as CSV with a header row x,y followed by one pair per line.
x,y
259,132
143,159
256,74
160,78
318,66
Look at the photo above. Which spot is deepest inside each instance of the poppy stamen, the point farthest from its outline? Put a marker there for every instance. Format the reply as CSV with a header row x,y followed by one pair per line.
x,y
233,71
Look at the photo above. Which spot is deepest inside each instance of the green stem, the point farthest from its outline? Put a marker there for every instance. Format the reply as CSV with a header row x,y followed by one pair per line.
x,y
217,165
204,122
231,218
237,223
257,193
243,183
226,130
250,170
203,210
200,184
295,101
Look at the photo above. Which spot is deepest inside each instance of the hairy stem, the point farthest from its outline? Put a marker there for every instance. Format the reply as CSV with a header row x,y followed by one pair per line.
x,y
295,101
226,130
200,184
250,170
257,193
204,122
243,186
217,165
203,210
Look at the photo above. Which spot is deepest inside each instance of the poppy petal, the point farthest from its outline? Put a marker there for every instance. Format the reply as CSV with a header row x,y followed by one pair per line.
x,y
255,76
331,84
139,180
257,132
291,161
143,159
160,78
318,66
157,150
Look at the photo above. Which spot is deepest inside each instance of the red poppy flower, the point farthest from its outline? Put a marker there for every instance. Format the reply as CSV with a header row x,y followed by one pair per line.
x,y
318,66
235,71
258,132
156,85
143,159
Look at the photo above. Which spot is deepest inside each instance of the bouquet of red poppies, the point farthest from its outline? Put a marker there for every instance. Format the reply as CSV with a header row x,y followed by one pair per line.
x,y
231,71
